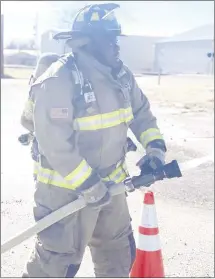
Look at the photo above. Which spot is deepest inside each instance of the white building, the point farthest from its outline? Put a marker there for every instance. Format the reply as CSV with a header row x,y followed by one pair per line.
x,y
186,53
48,44
137,52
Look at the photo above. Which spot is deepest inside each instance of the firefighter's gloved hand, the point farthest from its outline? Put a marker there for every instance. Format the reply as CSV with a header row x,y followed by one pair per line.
x,y
95,192
25,139
154,158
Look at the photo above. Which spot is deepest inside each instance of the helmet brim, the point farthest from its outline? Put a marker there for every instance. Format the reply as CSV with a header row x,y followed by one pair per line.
x,y
63,35
68,35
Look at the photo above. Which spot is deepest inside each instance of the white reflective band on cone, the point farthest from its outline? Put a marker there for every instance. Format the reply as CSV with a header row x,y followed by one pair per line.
x,y
149,217
148,243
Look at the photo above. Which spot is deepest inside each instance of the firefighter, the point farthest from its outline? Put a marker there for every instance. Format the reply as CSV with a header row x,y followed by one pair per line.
x,y
43,64
84,105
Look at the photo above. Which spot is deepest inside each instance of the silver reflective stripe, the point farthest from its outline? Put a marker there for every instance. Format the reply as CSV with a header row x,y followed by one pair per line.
x,y
128,114
79,175
51,177
102,121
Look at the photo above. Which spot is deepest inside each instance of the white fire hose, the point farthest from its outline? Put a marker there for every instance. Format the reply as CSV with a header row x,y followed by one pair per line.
x,y
78,205
53,218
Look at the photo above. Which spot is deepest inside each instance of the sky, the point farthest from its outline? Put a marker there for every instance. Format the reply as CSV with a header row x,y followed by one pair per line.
x,y
152,18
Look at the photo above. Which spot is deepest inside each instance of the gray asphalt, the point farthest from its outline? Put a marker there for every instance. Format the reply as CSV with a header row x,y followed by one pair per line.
x,y
185,206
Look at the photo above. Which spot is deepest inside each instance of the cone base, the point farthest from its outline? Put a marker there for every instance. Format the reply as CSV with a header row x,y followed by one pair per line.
x,y
147,265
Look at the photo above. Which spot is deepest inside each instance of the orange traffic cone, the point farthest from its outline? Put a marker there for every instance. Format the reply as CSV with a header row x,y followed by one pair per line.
x,y
148,262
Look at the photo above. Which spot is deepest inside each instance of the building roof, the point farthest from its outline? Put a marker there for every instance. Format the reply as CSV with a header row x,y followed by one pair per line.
x,y
202,33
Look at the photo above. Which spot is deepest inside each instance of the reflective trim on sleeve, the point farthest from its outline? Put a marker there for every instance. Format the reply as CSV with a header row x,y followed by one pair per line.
x,y
36,167
80,174
103,121
150,135
118,175
71,181
53,178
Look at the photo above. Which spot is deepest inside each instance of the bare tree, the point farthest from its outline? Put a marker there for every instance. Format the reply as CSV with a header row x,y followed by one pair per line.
x,y
66,13
67,17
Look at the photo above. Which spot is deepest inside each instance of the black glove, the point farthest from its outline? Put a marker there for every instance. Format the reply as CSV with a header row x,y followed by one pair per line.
x,y
154,158
95,192
25,139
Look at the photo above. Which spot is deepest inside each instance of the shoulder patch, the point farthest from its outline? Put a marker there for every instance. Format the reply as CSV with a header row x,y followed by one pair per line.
x,y
59,113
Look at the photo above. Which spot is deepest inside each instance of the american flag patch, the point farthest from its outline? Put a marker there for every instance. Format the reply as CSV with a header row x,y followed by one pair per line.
x,y
59,113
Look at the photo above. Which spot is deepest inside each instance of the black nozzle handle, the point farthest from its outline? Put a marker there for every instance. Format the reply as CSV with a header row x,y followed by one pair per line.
x,y
170,170
144,180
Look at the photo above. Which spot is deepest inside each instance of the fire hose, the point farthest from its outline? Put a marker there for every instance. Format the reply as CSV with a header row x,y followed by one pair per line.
x,y
169,170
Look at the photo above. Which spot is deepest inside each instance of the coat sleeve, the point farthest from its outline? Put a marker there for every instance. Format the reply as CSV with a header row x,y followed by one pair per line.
x,y
53,122
144,124
27,115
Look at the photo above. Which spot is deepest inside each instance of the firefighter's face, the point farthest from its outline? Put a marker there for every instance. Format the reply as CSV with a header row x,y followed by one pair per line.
x,y
106,49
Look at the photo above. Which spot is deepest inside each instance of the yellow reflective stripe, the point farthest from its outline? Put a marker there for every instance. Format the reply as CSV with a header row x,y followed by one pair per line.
x,y
53,180
117,176
71,181
121,113
36,167
105,120
80,174
150,135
